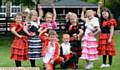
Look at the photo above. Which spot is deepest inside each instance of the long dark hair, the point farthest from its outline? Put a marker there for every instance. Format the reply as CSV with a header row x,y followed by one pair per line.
x,y
105,10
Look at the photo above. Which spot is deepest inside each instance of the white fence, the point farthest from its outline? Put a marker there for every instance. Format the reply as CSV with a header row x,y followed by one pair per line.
x,y
13,11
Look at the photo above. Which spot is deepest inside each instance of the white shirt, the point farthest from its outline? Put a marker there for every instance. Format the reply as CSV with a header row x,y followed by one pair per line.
x,y
66,48
34,24
91,24
50,53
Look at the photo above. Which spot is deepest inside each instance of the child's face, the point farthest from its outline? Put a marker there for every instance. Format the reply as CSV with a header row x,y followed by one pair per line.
x,y
34,16
105,14
52,38
18,19
48,17
73,19
89,14
66,38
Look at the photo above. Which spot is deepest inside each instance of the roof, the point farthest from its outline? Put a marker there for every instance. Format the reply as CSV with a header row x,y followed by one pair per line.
x,y
71,4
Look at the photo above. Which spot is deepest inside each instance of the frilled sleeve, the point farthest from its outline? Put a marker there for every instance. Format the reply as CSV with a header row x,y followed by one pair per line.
x,y
12,25
111,22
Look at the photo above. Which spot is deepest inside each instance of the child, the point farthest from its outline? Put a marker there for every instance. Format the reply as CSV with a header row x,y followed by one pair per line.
x,y
50,50
67,18
50,18
89,44
75,31
69,57
34,43
19,47
25,16
106,40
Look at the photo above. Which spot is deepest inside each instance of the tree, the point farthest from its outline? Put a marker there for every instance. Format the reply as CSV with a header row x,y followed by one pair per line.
x,y
28,3
0,2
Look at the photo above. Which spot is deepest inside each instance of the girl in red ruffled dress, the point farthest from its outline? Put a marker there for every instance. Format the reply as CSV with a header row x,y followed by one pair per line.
x,y
19,47
106,40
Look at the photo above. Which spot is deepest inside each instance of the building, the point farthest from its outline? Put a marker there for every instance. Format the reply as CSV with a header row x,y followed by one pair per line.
x,y
62,7
65,6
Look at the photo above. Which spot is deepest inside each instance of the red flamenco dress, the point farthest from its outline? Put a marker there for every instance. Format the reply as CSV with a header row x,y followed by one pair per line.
x,y
105,48
19,47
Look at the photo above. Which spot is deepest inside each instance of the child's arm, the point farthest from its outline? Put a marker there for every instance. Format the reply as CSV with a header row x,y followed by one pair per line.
x,y
111,34
26,31
97,30
39,30
70,27
96,26
15,33
42,35
80,33
98,11
82,14
54,12
40,11
67,16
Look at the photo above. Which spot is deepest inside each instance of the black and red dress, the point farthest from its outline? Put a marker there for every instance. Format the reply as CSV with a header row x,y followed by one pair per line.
x,y
105,48
19,47
75,43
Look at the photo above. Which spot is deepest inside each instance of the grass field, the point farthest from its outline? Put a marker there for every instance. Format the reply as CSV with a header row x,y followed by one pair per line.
x,y
5,61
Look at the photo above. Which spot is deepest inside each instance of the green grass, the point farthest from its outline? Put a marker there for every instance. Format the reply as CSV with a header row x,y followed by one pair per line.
x,y
5,61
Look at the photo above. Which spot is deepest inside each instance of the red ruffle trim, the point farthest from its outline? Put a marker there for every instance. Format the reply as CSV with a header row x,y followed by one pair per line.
x,y
18,27
104,46
111,22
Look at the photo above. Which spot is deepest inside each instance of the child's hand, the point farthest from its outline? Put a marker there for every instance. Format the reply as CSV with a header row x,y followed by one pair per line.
x,y
100,4
20,36
84,9
52,61
53,6
71,26
75,35
74,24
91,34
46,34
39,6
32,34
109,40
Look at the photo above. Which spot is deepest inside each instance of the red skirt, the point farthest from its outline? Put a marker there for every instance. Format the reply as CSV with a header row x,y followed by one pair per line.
x,y
105,48
19,49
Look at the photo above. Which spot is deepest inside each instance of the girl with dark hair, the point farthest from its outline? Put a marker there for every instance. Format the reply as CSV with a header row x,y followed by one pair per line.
x,y
106,40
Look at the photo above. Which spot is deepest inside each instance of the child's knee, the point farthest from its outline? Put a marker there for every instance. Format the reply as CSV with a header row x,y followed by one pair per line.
x,y
59,60
49,66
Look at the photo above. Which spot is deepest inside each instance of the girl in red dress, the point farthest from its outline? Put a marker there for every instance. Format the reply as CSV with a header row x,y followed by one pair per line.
x,y
106,40
19,47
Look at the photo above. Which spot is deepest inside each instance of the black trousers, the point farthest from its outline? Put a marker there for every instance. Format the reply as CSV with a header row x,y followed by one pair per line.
x,y
73,59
